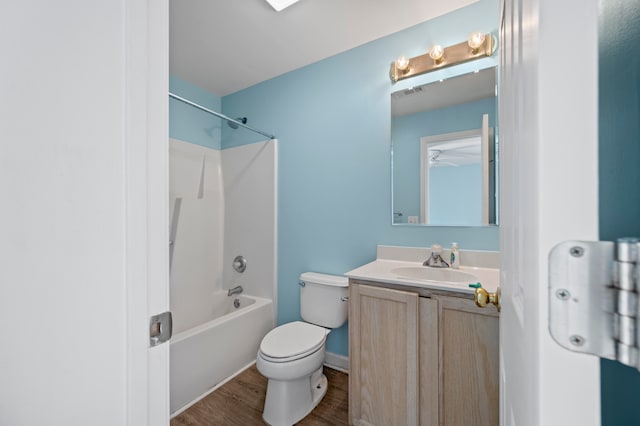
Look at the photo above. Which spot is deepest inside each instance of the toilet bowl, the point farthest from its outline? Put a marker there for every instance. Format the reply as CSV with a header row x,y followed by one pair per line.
x,y
296,383
291,355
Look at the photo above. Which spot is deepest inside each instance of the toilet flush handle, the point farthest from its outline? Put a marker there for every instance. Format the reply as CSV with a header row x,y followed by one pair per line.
x,y
344,298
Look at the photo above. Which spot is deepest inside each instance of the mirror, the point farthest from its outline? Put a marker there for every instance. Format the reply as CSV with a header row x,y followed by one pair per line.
x,y
444,152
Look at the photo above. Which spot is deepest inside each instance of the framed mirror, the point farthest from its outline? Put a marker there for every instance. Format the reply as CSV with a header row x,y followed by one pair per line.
x,y
444,152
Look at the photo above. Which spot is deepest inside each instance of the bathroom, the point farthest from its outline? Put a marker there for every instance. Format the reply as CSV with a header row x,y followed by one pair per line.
x,y
333,193
336,88
322,227
342,119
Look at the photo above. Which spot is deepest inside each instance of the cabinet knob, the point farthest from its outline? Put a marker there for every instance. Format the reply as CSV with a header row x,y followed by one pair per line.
x,y
483,298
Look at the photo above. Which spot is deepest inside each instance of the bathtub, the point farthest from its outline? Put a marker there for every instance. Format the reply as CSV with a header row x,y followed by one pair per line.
x,y
207,355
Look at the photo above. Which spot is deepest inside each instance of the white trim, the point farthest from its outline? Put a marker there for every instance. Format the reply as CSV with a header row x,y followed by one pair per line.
x,y
567,169
549,193
135,184
275,230
424,182
484,164
158,201
145,148
337,362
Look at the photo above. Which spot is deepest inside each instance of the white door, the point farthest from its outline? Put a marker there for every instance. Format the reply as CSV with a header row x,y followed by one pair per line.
x,y
549,181
83,181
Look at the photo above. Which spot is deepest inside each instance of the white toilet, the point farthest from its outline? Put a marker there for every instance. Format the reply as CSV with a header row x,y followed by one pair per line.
x,y
291,355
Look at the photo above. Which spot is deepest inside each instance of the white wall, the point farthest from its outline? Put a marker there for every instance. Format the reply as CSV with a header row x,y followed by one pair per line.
x,y
196,268
228,208
250,185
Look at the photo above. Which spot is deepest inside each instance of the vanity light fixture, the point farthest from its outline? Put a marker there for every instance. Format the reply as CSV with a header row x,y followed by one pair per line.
x,y
436,53
477,46
476,40
402,63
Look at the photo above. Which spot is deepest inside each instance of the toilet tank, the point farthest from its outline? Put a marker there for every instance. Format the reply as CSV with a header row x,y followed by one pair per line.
x,y
323,299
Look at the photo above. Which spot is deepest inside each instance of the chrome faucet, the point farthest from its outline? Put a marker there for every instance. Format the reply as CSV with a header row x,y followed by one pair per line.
x,y
435,260
236,290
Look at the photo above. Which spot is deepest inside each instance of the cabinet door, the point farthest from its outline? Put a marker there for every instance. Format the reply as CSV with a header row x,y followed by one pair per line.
x,y
383,337
469,363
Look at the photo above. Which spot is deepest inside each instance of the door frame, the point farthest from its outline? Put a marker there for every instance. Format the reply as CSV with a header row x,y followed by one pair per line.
x,y
549,181
146,137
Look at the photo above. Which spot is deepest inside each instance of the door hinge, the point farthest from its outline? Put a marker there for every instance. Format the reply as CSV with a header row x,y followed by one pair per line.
x,y
593,298
160,328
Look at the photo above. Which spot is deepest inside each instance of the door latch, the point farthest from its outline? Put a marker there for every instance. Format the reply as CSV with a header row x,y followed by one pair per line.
x,y
160,328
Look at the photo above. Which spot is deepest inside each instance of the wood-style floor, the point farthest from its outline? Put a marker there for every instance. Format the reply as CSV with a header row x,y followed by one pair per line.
x,y
240,402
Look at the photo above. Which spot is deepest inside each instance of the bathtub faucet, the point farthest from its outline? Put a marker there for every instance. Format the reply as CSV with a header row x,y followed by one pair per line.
x,y
236,290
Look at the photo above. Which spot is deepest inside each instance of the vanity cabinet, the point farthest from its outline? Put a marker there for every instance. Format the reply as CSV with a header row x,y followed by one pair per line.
x,y
383,360
421,358
468,342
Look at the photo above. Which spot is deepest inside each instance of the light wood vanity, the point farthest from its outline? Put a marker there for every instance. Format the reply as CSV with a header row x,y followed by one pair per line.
x,y
421,356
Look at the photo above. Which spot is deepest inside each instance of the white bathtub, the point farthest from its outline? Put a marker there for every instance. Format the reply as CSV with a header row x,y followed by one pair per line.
x,y
207,355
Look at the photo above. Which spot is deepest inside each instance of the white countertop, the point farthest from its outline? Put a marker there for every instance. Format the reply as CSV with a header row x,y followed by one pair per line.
x,y
382,270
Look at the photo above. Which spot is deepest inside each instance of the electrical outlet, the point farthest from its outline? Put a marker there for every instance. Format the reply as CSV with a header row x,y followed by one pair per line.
x,y
412,219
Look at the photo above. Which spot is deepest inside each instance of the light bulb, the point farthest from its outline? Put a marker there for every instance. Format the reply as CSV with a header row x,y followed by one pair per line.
x,y
436,53
402,63
476,40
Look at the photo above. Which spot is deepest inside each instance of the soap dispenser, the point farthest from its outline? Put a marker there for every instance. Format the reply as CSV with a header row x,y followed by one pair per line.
x,y
455,256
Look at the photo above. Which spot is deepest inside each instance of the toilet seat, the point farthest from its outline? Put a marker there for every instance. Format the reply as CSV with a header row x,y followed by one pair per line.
x,y
292,341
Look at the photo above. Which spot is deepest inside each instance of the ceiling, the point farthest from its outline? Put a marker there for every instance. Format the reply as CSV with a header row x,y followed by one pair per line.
x,y
224,46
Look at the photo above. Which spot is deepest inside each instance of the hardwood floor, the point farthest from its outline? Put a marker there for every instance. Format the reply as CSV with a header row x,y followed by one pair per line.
x,y
240,402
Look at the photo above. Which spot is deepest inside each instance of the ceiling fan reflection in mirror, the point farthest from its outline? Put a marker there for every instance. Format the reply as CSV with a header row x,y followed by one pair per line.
x,y
455,152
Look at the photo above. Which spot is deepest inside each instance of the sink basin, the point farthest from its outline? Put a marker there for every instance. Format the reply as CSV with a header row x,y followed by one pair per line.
x,y
440,275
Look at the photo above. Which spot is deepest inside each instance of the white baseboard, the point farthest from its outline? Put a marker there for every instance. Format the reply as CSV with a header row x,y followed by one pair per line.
x,y
337,362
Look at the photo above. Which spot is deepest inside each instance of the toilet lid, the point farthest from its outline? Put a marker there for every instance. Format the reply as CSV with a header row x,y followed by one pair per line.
x,y
294,338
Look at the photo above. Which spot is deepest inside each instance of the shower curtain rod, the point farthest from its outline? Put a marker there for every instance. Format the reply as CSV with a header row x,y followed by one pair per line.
x,y
217,114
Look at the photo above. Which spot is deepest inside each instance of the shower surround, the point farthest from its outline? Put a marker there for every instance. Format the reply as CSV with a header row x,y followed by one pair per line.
x,y
223,204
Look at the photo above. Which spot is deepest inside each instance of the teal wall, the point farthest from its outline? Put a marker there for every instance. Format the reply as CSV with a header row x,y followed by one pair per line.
x,y
189,124
332,119
455,195
406,132
619,174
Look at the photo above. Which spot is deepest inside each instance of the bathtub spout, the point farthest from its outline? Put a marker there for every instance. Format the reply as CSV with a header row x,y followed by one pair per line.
x,y
235,290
